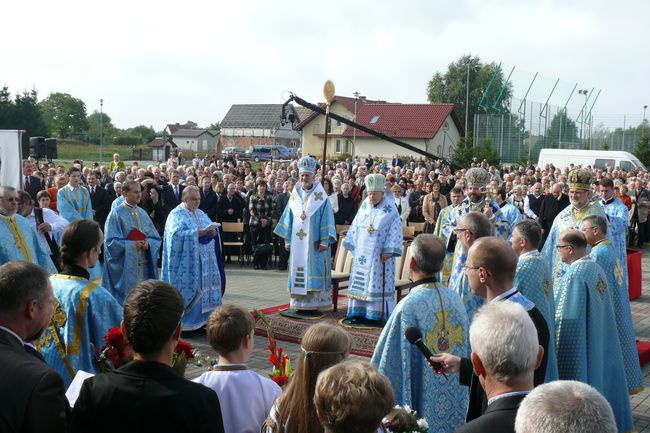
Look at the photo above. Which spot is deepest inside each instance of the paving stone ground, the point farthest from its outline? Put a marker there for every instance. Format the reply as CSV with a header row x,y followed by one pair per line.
x,y
253,289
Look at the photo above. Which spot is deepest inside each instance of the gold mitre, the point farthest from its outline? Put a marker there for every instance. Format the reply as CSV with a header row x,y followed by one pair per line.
x,y
580,178
477,177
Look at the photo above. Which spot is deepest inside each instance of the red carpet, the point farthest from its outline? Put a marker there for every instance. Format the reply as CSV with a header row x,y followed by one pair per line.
x,y
291,330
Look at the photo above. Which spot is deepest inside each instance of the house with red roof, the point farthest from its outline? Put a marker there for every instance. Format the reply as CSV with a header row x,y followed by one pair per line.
x,y
434,128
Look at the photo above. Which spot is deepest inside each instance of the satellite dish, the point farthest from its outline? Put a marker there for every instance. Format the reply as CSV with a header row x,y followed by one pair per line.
x,y
328,91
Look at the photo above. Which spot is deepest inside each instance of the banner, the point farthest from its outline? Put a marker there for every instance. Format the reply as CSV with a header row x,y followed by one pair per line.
x,y
10,158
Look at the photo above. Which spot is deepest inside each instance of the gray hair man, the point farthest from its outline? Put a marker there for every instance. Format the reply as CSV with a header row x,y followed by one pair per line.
x,y
435,310
565,406
505,354
31,393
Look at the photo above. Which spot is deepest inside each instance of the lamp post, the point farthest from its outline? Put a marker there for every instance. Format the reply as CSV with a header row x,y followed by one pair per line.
x,y
354,130
583,92
101,128
643,122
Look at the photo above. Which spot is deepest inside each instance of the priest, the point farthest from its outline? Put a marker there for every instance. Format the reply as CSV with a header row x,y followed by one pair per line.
x,y
374,239
440,315
307,226
192,260
131,245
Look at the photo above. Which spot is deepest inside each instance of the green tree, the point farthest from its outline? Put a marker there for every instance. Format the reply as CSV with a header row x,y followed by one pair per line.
x,y
64,114
487,152
216,126
22,113
562,131
97,120
146,132
642,150
463,152
451,87
605,146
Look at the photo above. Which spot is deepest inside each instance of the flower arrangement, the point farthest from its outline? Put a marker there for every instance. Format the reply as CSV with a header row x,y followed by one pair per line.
x,y
281,371
117,351
405,420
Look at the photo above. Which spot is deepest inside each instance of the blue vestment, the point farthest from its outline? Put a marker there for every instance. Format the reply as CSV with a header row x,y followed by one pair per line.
x,y
118,201
588,348
533,281
618,214
502,228
568,218
439,314
321,229
18,241
459,284
449,256
193,267
512,215
375,231
86,312
605,254
125,265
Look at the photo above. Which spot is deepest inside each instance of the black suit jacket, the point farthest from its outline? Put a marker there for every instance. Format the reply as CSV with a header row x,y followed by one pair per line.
x,y
34,185
31,393
169,201
549,209
236,204
209,203
101,205
477,397
145,397
499,417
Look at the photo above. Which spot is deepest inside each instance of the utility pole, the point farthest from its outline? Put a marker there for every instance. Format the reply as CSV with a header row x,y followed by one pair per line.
x,y
101,129
354,130
466,101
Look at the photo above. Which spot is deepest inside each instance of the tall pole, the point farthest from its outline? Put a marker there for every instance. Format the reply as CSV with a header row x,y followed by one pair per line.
x,y
328,92
101,128
354,130
467,100
643,122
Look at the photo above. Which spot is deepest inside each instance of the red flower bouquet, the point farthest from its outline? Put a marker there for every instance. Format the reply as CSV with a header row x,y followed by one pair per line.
x,y
281,371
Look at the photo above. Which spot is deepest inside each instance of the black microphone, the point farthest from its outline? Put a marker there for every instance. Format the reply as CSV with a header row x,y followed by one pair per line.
x,y
414,336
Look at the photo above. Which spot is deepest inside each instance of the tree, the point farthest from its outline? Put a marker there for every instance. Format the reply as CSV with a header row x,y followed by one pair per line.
x,y
216,126
97,121
64,114
484,151
562,131
642,150
22,113
451,87
463,152
146,132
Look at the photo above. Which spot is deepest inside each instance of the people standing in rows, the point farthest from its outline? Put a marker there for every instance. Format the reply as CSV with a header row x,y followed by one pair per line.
x,y
432,204
533,201
261,213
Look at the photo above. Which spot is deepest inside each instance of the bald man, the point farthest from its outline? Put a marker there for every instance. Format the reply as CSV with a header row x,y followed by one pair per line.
x,y
490,269
588,348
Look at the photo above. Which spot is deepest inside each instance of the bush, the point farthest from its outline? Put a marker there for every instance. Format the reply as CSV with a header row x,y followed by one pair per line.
x,y
128,140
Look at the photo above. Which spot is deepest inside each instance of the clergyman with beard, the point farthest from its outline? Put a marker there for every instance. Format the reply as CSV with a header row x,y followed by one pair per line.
x,y
31,393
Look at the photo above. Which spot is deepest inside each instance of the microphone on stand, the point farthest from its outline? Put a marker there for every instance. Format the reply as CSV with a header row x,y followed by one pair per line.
x,y
414,336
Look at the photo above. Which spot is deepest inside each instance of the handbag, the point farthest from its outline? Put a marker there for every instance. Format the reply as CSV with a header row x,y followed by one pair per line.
x,y
262,249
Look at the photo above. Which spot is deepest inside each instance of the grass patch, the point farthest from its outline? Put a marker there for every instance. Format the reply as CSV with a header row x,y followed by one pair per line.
x,y
69,150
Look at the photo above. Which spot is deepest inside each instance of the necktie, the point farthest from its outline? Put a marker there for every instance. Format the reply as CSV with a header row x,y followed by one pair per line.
x,y
92,191
176,191
27,185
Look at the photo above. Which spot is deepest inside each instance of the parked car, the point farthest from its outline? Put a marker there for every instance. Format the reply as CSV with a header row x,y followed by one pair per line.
x,y
562,158
266,152
233,150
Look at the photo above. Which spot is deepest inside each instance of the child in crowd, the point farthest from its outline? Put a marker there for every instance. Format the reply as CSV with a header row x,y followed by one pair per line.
x,y
230,333
352,397
323,345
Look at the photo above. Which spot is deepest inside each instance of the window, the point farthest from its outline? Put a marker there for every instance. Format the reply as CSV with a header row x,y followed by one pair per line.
x,y
329,126
338,123
338,146
600,163
374,119
627,166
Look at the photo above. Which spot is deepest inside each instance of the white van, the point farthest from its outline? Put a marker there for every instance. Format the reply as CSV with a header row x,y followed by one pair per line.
x,y
562,158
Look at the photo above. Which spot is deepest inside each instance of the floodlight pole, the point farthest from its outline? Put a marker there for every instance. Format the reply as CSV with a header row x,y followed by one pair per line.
x,y
101,129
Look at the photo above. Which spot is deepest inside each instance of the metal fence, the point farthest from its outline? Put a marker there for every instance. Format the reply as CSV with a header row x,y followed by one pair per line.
x,y
528,127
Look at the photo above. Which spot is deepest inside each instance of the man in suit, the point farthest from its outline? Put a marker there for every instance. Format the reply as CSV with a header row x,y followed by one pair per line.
x,y
99,199
490,268
30,183
641,201
505,353
551,206
147,393
208,199
565,406
172,193
31,393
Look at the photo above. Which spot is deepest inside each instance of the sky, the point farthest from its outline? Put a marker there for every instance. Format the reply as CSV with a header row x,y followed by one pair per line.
x,y
163,62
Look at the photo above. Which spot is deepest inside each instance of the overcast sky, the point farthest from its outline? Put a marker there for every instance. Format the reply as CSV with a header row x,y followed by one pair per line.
x,y
162,62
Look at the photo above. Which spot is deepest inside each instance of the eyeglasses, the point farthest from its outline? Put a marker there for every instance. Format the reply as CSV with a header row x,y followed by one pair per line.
x,y
10,199
559,247
466,268
460,230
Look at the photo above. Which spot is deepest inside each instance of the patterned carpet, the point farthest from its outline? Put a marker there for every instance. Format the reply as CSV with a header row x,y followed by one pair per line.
x,y
291,330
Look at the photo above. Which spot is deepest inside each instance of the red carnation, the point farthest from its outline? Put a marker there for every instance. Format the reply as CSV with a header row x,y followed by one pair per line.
x,y
183,347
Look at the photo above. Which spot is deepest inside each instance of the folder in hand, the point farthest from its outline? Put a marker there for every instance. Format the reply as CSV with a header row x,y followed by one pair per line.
x,y
136,235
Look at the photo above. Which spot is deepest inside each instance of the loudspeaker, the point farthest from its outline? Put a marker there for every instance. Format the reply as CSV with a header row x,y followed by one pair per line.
x,y
50,147
37,147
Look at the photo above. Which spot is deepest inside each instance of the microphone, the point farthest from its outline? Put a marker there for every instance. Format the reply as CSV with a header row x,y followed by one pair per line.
x,y
414,336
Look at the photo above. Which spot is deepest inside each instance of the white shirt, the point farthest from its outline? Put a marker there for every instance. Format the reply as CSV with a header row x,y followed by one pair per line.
x,y
259,392
57,222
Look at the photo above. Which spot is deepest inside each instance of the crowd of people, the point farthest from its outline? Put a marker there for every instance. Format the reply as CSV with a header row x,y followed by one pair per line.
x,y
84,249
